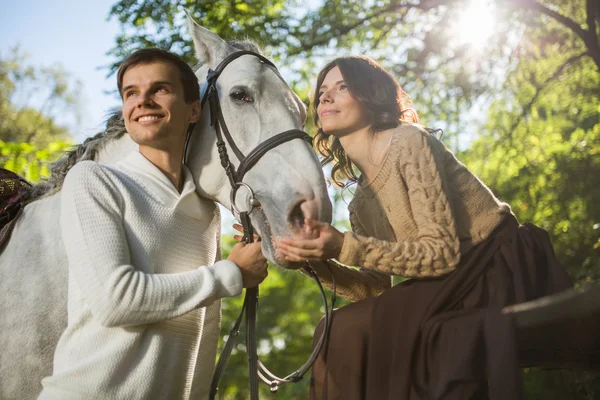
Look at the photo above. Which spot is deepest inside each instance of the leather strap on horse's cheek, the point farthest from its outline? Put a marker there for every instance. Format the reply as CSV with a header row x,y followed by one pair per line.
x,y
212,75
247,225
213,102
223,126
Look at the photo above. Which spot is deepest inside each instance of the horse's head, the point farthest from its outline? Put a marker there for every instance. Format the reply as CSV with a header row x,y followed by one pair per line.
x,y
257,105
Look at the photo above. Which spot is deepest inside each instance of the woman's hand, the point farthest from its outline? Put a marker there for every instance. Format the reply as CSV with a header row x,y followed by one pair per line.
x,y
325,243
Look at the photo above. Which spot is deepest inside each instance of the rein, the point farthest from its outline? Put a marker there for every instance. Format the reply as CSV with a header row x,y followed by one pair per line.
x,y
255,367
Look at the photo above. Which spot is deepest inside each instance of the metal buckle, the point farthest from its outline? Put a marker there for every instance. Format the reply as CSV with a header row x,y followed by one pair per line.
x,y
253,201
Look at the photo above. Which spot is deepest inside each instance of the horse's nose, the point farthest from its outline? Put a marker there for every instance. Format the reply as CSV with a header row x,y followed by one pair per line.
x,y
301,210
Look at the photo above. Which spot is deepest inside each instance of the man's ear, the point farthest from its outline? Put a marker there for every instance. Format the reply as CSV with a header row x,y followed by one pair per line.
x,y
196,112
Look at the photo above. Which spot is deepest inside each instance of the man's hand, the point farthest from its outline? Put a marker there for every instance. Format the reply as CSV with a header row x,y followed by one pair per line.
x,y
251,262
324,242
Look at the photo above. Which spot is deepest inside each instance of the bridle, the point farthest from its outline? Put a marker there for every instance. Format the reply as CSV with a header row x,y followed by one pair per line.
x,y
235,176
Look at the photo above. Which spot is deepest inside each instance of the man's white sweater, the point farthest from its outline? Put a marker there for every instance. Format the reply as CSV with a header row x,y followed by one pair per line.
x,y
144,287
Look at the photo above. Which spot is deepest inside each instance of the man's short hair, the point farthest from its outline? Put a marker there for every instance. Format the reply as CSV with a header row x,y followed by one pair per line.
x,y
191,88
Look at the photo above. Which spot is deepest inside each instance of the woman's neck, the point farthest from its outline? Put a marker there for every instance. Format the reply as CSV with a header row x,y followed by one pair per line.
x,y
367,150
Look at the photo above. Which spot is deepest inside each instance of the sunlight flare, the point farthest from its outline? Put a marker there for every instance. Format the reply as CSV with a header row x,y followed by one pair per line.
x,y
476,24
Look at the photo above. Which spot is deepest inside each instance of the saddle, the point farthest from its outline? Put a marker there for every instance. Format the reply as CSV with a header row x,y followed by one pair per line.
x,y
14,192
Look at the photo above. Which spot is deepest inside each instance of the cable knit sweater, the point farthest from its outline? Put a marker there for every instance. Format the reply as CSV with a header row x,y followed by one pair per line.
x,y
144,288
415,218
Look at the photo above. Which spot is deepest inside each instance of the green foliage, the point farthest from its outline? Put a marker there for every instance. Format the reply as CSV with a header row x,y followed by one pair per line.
x,y
560,384
543,157
304,37
540,152
30,161
161,23
31,99
418,41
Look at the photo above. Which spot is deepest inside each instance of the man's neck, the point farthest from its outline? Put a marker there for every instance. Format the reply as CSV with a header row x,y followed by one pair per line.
x,y
167,162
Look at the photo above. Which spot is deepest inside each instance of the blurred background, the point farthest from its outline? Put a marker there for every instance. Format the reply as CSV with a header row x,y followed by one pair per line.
x,y
514,84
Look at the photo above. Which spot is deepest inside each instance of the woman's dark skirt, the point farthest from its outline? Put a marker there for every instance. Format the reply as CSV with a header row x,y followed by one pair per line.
x,y
445,338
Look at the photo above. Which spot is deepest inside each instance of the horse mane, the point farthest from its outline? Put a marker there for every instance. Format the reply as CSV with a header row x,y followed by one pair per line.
x,y
88,150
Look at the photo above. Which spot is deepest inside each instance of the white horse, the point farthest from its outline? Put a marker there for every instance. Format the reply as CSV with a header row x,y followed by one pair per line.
x,y
287,181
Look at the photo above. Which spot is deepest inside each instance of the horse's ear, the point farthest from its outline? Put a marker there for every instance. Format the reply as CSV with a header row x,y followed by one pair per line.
x,y
210,48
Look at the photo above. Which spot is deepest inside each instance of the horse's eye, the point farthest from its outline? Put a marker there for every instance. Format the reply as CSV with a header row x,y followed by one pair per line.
x,y
241,95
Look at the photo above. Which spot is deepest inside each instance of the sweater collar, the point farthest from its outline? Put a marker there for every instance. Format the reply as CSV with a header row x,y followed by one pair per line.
x,y
384,170
162,188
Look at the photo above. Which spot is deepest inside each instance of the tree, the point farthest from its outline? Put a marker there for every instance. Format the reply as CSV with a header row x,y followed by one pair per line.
x,y
417,40
539,148
539,151
31,100
162,23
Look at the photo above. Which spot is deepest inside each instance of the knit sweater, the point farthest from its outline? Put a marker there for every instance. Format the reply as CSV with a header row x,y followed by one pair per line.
x,y
144,289
422,210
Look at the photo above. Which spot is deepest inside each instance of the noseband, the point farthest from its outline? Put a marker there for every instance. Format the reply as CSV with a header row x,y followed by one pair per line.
x,y
235,176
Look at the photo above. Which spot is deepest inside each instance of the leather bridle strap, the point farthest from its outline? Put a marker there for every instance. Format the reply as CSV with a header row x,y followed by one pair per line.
x,y
272,142
256,368
274,382
211,95
222,131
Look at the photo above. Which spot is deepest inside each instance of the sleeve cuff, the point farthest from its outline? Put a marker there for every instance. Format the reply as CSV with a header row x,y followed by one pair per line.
x,y
228,278
349,255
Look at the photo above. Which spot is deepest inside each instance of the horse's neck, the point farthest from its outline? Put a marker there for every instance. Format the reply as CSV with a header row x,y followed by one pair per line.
x,y
204,162
211,183
116,150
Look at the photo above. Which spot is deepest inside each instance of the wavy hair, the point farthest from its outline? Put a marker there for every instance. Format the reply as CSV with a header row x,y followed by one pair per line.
x,y
386,103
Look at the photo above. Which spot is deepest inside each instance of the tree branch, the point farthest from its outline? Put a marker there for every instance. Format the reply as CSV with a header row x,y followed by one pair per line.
x,y
589,36
342,30
423,5
591,9
385,32
542,9
426,5
540,87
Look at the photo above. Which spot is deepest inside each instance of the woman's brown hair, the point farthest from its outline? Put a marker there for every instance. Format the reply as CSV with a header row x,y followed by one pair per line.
x,y
386,103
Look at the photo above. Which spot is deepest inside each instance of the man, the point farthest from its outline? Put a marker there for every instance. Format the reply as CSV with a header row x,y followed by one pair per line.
x,y
144,309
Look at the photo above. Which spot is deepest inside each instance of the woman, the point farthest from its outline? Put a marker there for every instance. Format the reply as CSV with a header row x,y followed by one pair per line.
x,y
418,213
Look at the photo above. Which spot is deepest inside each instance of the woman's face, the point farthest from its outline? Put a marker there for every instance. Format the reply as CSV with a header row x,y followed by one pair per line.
x,y
339,113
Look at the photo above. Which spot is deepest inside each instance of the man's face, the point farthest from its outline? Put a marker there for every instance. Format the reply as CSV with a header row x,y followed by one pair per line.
x,y
154,108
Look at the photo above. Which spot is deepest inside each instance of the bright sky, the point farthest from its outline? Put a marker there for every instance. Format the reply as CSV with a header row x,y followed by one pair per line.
x,y
74,33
